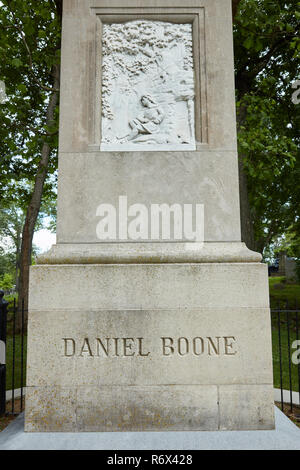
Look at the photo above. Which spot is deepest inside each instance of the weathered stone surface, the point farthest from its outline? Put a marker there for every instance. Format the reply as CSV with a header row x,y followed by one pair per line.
x,y
88,177
51,408
150,286
154,408
151,253
151,335
122,408
157,347
213,50
149,408
209,178
243,407
182,330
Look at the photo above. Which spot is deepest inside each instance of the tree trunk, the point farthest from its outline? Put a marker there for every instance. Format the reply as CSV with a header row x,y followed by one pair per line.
x,y
34,206
17,267
247,226
235,5
246,216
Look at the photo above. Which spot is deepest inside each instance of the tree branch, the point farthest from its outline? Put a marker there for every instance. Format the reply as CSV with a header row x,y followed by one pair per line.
x,y
59,7
34,130
263,61
23,37
235,6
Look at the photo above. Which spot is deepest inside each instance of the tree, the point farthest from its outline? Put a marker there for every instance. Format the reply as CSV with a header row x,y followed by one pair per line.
x,y
11,226
266,56
7,262
235,6
30,46
6,282
12,220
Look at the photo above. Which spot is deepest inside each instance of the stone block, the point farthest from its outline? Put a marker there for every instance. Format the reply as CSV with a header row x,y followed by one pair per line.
x,y
188,349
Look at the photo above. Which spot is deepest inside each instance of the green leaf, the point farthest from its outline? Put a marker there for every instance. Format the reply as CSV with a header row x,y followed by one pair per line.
x,y
248,43
17,62
22,88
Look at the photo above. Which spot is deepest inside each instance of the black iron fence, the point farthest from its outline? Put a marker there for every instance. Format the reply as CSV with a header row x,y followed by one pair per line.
x,y
286,354
3,323
13,348
13,343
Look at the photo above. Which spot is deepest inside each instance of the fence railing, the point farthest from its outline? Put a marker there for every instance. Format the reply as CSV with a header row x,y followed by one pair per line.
x,y
286,353
3,322
13,348
12,357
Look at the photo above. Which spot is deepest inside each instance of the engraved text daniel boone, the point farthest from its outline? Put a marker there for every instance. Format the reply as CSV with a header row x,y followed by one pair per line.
x,y
129,347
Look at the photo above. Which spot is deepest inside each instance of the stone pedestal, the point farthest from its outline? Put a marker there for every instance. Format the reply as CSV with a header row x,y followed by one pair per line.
x,y
148,334
149,347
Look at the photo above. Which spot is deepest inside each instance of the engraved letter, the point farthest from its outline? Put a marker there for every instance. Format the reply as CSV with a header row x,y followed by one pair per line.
x,y
201,348
105,350
72,347
128,346
229,340
170,346
183,350
88,350
116,346
212,346
140,340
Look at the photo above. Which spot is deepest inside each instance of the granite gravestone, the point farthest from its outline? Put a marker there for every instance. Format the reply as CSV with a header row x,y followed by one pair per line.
x,y
138,320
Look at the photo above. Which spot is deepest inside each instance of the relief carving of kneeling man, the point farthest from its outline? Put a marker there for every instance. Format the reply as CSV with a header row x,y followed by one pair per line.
x,y
148,123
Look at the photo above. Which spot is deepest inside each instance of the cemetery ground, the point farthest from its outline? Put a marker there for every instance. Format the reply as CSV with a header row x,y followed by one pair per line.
x,y
280,292
293,415
6,420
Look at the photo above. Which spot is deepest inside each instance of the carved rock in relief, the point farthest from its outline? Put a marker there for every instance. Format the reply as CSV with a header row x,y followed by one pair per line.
x,y
147,86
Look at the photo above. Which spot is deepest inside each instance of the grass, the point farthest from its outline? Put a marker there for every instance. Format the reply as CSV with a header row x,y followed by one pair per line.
x,y
284,353
9,362
282,292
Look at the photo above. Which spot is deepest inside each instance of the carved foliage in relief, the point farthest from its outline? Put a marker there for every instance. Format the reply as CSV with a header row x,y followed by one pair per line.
x,y
147,84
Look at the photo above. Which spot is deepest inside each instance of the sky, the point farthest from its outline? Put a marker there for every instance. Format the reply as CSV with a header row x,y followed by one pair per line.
x,y
43,240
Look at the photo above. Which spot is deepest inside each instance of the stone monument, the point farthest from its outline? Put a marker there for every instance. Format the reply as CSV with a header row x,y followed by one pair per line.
x,y
136,325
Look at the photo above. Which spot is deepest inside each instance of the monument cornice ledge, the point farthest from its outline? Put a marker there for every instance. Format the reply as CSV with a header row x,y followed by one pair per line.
x,y
95,150
152,253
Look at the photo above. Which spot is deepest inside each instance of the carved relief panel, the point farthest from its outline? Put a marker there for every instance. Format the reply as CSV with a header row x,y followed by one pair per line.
x,y
148,86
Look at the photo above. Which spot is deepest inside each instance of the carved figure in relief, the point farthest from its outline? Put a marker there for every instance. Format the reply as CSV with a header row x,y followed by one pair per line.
x,y
148,86
148,122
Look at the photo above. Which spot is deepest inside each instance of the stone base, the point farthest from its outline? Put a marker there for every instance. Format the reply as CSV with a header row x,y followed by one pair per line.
x,y
149,347
149,253
151,408
286,436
